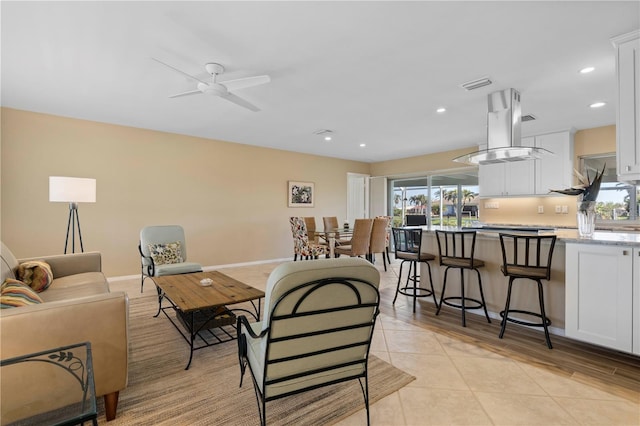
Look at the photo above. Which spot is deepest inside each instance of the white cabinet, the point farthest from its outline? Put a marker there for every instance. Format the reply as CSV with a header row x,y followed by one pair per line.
x,y
636,301
502,179
535,177
601,295
554,171
628,107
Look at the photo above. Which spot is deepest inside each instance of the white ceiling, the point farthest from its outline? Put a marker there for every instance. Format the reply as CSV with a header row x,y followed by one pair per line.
x,y
372,72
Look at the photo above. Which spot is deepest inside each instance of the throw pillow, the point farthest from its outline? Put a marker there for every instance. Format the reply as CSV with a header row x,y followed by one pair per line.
x,y
166,253
14,293
36,274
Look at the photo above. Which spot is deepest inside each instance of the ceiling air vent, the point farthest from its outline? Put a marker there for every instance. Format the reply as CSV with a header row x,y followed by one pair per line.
x,y
475,84
527,117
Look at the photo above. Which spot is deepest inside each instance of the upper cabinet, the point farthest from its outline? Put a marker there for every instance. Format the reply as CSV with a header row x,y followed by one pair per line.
x,y
531,177
628,108
554,171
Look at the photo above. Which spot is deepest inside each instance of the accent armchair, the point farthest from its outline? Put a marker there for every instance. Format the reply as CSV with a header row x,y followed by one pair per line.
x,y
163,251
317,329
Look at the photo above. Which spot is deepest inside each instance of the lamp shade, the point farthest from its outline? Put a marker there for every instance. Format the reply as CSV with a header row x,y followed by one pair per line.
x,y
72,190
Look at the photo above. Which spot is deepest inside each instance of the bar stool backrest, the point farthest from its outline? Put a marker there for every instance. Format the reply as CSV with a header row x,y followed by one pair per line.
x,y
456,248
527,255
407,240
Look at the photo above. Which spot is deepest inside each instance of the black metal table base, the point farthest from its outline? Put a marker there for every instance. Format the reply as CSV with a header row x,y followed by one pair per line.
x,y
204,324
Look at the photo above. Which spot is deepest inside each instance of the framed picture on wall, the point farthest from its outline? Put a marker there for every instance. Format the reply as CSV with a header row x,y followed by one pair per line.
x,y
301,194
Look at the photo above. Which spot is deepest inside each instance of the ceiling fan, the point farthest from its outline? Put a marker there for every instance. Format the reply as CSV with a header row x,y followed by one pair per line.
x,y
222,89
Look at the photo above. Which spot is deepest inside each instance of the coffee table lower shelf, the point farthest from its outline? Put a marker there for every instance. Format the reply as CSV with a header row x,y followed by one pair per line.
x,y
203,328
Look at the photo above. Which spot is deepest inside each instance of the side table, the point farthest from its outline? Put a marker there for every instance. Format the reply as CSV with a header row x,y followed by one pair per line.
x,y
53,387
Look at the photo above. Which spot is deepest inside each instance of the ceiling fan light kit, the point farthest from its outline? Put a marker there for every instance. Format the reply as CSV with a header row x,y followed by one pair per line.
x,y
220,88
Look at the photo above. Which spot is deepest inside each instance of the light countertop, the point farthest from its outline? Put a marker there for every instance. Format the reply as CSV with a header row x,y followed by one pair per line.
x,y
567,236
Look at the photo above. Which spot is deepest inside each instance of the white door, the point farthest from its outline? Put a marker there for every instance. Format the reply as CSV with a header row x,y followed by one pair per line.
x,y
357,196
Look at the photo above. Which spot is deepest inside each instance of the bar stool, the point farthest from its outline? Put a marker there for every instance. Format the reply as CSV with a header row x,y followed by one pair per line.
x,y
456,250
527,256
408,247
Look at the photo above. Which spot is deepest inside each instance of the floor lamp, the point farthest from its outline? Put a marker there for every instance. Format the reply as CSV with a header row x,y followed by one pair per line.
x,y
73,191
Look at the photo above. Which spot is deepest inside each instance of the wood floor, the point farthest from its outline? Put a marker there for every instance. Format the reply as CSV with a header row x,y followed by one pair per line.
x,y
608,370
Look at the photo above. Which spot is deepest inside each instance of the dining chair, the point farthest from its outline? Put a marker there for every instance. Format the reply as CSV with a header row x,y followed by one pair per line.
x,y
331,223
359,245
316,330
378,240
301,245
388,235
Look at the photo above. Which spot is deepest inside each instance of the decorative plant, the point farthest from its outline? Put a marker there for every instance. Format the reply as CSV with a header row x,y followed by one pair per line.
x,y
587,190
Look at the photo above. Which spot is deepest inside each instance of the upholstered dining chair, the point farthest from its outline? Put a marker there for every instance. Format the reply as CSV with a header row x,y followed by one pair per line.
x,y
301,245
378,240
316,330
359,245
331,223
388,236
163,251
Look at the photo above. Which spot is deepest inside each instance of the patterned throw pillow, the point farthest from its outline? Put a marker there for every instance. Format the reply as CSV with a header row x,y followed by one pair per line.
x,y
14,293
163,254
36,274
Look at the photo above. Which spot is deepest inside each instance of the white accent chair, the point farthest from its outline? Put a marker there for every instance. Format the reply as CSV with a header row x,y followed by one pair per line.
x,y
163,234
317,329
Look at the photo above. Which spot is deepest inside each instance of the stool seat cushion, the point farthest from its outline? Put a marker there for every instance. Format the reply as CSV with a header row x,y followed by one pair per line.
x,y
524,271
460,262
424,257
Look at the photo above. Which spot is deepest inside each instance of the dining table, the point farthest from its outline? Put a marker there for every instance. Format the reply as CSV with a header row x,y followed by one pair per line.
x,y
332,235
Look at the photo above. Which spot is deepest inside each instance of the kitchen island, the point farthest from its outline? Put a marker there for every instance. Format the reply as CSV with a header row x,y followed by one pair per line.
x,y
560,300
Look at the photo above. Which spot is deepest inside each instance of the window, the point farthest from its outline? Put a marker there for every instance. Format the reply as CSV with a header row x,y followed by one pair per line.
x,y
617,201
437,198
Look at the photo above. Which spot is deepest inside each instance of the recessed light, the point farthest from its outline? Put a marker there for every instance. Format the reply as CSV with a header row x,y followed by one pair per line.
x,y
586,70
327,138
597,104
362,145
441,110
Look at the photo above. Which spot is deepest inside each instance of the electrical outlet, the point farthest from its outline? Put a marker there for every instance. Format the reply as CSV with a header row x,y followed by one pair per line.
x,y
540,209
558,209
491,205
565,209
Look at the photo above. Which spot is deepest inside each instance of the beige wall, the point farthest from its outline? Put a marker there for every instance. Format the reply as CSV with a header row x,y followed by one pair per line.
x,y
524,210
420,164
230,198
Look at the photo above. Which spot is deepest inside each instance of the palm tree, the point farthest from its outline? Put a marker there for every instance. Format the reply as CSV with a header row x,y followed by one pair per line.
x,y
419,200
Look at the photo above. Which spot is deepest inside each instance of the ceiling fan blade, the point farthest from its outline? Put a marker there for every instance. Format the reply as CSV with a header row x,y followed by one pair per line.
x,y
179,71
190,92
239,101
242,83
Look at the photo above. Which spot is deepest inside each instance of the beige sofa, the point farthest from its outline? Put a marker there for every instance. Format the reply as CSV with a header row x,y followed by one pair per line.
x,y
78,307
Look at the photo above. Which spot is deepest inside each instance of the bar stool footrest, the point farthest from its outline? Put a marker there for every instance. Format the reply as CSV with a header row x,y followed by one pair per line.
x,y
413,291
527,323
477,304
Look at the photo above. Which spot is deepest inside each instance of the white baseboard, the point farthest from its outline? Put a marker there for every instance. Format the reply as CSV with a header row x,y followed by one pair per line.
x,y
204,268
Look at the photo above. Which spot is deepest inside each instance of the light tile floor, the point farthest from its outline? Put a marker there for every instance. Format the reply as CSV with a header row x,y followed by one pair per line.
x,y
461,384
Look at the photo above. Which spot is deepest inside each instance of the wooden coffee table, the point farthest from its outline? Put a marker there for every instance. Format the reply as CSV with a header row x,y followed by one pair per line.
x,y
204,311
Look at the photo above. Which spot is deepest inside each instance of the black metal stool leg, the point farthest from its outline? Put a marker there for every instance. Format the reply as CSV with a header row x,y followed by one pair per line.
x,y
484,305
444,286
543,314
398,286
505,313
464,319
433,292
415,284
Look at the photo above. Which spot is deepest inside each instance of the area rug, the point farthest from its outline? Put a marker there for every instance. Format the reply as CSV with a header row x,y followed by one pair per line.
x,y
161,391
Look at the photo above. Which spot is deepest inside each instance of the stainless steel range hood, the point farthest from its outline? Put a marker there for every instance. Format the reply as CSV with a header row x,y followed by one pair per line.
x,y
504,143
